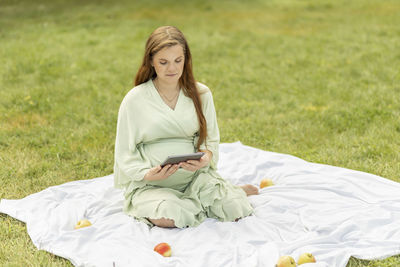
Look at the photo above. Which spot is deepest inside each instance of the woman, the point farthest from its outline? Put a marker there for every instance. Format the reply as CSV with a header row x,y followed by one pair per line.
x,y
168,113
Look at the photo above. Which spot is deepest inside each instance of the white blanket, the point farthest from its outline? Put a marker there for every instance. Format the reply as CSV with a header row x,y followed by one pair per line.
x,y
331,212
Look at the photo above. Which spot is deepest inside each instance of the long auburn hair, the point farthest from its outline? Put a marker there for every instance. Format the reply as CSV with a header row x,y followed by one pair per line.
x,y
167,36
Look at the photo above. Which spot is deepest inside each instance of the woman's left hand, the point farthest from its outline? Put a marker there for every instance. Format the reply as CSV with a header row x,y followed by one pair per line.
x,y
194,165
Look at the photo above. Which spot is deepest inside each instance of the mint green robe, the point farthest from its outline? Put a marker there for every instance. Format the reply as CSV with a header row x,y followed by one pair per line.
x,y
148,131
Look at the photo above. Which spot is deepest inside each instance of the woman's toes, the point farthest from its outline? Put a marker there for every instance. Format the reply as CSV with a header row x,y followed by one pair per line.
x,y
255,190
250,189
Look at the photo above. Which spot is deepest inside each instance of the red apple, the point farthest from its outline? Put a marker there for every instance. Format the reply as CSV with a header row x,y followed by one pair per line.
x,y
164,249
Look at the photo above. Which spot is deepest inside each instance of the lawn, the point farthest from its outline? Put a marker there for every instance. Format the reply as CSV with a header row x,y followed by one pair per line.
x,y
313,78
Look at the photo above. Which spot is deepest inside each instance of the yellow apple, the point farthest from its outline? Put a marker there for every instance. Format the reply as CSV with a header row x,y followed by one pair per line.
x,y
306,258
164,249
286,261
266,182
82,223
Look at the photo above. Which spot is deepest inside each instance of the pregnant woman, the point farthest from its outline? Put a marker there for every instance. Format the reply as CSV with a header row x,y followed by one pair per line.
x,y
169,113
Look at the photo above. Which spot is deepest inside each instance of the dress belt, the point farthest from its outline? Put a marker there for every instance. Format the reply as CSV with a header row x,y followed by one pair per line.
x,y
162,140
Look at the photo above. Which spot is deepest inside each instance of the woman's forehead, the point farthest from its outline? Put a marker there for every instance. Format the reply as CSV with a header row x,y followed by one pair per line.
x,y
170,53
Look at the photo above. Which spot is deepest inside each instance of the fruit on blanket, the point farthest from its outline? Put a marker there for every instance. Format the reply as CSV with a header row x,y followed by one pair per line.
x,y
164,249
82,223
306,258
266,182
286,261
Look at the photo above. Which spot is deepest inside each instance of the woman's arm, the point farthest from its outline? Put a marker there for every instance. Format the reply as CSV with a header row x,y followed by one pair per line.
x,y
129,164
211,143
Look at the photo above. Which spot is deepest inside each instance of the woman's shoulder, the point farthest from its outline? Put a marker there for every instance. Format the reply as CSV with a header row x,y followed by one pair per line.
x,y
137,93
202,88
205,94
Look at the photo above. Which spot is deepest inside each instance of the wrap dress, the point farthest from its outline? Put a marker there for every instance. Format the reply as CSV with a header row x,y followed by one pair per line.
x,y
148,131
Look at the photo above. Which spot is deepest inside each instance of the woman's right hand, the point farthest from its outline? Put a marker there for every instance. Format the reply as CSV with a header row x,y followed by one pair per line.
x,y
157,173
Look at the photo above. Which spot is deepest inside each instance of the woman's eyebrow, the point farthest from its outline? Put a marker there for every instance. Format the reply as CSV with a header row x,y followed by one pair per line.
x,y
167,59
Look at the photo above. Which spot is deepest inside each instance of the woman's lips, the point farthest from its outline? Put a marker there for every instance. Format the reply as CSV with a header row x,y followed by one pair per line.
x,y
171,75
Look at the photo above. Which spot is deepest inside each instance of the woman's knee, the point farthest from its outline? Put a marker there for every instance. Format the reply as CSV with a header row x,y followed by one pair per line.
x,y
163,222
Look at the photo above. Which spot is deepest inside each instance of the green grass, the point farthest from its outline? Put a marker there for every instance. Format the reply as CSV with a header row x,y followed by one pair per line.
x,y
316,79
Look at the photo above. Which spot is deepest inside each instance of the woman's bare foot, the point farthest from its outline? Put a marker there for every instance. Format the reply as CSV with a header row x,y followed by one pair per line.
x,y
163,222
250,189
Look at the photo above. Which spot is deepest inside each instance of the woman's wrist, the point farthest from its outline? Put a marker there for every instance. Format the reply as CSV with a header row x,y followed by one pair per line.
x,y
210,154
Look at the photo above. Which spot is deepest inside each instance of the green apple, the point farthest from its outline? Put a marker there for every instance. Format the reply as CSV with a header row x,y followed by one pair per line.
x,y
286,261
82,223
306,258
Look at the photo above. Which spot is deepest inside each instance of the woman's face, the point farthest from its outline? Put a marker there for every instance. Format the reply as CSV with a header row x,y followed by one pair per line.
x,y
168,64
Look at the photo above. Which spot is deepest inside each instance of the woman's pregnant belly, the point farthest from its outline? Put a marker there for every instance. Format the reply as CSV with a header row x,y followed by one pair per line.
x,y
158,151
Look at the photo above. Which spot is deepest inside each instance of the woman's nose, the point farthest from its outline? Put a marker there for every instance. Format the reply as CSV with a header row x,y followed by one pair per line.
x,y
171,67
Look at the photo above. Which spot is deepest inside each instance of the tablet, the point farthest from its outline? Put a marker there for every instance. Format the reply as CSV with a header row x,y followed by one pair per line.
x,y
175,159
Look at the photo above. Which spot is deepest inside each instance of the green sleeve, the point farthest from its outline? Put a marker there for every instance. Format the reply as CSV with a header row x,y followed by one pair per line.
x,y
212,141
129,165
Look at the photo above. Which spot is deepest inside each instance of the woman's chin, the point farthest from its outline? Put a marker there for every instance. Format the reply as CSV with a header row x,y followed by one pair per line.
x,y
171,79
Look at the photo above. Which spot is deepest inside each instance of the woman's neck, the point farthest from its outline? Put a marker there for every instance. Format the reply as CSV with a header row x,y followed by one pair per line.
x,y
166,87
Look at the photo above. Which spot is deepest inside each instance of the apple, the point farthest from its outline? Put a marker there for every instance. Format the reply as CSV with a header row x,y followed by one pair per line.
x,y
164,249
306,258
266,182
286,261
82,223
